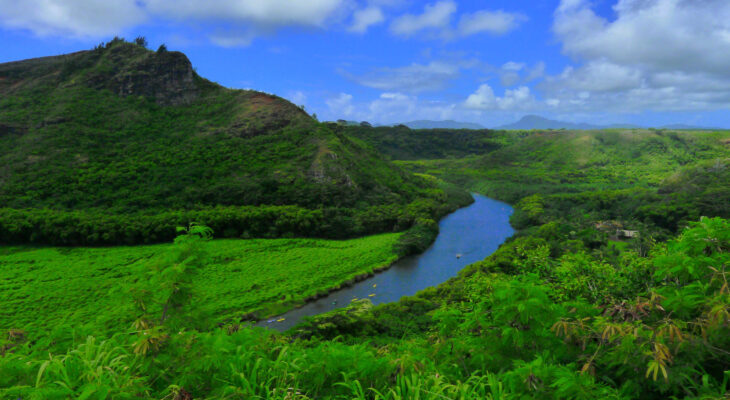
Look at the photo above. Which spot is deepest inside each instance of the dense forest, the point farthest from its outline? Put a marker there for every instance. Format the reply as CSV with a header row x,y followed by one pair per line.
x,y
120,144
570,307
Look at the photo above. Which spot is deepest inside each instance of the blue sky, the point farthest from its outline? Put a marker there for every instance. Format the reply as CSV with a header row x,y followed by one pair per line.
x,y
649,62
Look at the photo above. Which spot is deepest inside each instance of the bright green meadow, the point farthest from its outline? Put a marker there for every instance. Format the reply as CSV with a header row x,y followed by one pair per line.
x,y
44,287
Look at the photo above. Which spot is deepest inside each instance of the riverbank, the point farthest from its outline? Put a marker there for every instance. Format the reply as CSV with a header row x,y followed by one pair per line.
x,y
91,288
473,232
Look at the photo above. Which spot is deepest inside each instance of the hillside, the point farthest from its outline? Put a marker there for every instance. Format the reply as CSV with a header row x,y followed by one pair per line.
x,y
123,130
403,143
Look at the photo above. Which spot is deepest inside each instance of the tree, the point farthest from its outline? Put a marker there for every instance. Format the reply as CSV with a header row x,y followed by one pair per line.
x,y
141,41
168,287
162,48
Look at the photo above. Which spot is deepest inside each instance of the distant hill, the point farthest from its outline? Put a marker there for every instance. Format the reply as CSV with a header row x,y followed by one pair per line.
x,y
530,122
121,130
446,124
689,127
403,143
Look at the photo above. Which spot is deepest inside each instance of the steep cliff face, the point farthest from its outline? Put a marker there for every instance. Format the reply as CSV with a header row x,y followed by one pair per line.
x,y
123,68
167,77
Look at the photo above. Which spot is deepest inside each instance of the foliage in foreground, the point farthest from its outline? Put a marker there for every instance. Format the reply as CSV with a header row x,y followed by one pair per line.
x,y
521,324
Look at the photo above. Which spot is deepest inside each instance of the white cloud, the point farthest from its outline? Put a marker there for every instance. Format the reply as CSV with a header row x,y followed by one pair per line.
x,y
237,38
511,73
482,99
414,78
656,55
434,16
493,22
365,18
514,99
74,18
513,66
392,107
598,76
436,20
239,21
689,35
341,105
271,13
399,107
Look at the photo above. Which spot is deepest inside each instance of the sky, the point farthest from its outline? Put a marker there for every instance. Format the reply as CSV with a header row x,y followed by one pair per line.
x,y
647,62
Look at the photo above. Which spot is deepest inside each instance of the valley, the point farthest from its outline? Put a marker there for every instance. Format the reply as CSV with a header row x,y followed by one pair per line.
x,y
155,225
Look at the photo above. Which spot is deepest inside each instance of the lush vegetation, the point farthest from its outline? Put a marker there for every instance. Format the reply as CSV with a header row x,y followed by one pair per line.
x,y
651,180
615,285
121,144
403,143
99,227
523,323
89,288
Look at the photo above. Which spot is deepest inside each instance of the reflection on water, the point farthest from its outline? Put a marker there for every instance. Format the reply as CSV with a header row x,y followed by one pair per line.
x,y
466,236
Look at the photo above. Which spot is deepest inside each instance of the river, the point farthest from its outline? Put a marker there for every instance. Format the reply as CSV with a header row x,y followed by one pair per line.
x,y
467,235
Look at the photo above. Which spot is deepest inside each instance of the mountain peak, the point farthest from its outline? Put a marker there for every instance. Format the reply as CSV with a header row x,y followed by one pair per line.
x,y
125,69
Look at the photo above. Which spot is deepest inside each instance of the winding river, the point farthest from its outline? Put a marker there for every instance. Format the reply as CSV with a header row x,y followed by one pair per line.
x,y
466,236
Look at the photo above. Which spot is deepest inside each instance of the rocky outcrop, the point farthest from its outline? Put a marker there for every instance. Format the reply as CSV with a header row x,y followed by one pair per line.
x,y
167,77
129,70
124,68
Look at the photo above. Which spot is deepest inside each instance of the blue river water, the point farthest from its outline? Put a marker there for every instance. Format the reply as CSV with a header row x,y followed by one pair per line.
x,y
467,235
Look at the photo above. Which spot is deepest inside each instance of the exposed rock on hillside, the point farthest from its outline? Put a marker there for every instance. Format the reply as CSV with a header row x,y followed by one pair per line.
x,y
167,77
123,68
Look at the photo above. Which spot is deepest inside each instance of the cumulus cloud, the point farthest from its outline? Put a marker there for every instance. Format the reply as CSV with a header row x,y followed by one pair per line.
x,y
656,55
434,16
493,22
512,73
615,88
414,78
436,20
365,18
597,76
399,107
267,13
75,18
341,105
689,35
392,107
243,19
514,99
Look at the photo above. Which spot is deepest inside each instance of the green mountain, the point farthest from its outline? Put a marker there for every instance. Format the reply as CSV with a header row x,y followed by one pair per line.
x,y
124,131
403,143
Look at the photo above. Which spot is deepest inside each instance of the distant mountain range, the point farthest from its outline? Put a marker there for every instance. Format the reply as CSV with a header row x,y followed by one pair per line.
x,y
536,122
448,124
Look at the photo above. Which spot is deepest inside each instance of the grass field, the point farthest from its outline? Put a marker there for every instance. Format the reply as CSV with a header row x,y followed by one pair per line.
x,y
45,288
578,161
